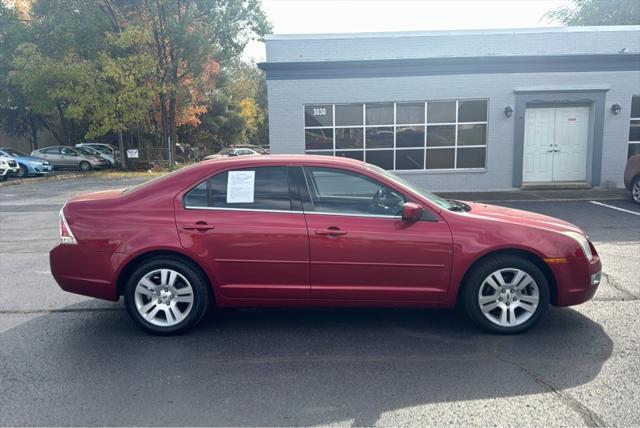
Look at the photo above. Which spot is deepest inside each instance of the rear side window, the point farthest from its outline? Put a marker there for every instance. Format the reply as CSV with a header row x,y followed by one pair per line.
x,y
269,187
51,150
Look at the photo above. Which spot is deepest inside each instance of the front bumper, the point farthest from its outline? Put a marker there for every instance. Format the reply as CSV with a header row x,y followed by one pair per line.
x,y
8,171
577,280
41,169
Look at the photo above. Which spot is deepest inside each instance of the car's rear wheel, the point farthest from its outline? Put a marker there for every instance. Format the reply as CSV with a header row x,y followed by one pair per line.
x,y
635,190
85,166
22,171
166,295
506,294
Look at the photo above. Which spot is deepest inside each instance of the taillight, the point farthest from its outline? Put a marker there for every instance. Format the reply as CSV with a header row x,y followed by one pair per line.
x,y
66,236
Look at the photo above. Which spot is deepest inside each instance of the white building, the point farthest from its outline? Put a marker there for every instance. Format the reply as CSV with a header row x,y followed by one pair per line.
x,y
463,110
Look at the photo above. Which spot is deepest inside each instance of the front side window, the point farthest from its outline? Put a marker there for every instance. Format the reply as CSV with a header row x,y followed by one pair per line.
x,y
419,135
338,191
262,188
634,127
68,152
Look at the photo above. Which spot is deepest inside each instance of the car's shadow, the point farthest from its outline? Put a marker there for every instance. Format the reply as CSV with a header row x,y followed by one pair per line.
x,y
280,366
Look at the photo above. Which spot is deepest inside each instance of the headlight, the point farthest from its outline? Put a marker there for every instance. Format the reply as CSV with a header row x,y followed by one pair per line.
x,y
37,163
584,243
46,163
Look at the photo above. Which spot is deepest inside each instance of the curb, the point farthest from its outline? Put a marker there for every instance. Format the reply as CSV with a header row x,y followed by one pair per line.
x,y
41,179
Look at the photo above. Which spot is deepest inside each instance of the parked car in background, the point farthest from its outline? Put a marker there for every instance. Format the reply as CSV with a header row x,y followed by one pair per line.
x,y
7,166
106,151
314,231
27,165
237,151
93,152
632,177
71,157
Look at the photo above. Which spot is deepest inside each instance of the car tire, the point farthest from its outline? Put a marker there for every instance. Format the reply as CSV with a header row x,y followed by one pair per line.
x,y
167,295
3,178
22,171
635,190
85,166
519,301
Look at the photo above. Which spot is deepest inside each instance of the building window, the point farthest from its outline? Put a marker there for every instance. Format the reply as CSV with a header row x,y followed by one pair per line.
x,y
419,135
634,128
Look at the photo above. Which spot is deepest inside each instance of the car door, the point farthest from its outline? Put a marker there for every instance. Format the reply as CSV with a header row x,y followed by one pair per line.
x,y
52,154
361,249
248,226
69,157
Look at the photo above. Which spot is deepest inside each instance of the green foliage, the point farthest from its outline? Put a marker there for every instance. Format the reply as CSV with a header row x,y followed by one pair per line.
x,y
598,12
153,68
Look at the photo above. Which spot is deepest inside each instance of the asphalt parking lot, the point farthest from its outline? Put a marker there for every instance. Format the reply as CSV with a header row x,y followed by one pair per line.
x,y
71,360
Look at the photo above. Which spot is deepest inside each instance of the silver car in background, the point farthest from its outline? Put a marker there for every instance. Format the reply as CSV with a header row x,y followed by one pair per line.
x,y
71,158
106,151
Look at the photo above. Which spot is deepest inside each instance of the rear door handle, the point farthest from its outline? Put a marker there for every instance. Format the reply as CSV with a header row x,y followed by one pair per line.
x,y
332,231
200,226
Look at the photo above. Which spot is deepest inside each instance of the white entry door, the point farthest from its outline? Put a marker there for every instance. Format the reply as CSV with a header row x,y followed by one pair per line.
x,y
555,144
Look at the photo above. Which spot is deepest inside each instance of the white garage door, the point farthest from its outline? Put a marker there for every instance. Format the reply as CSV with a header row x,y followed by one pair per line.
x,y
555,144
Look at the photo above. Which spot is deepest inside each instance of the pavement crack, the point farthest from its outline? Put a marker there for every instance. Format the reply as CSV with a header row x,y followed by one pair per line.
x,y
619,287
589,417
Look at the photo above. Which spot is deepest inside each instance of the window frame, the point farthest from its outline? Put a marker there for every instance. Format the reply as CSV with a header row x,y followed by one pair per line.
x,y
632,119
294,192
395,125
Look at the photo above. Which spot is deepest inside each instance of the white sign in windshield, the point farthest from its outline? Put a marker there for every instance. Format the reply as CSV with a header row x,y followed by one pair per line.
x,y
240,187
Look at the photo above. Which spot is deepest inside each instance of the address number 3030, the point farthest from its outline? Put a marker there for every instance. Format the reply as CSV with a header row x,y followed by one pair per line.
x,y
321,111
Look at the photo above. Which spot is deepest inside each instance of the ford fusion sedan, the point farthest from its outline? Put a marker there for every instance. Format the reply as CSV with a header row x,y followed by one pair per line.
x,y
72,158
314,231
27,165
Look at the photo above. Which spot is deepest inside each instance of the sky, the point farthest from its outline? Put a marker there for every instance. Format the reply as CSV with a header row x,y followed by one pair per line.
x,y
355,16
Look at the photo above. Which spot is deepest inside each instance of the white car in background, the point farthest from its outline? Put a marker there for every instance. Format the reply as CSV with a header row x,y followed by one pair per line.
x,y
7,165
106,151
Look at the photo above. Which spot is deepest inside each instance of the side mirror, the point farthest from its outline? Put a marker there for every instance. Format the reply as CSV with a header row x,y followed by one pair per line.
x,y
411,212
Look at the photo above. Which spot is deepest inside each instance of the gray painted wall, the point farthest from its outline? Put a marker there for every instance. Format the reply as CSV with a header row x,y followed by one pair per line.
x,y
287,97
538,41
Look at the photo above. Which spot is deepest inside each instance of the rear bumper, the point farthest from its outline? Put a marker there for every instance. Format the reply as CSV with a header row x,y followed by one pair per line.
x,y
574,280
89,273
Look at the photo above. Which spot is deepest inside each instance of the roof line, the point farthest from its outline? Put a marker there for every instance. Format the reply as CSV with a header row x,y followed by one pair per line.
x,y
436,33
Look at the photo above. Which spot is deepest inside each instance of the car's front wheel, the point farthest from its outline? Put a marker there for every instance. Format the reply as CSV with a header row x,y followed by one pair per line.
x,y
22,171
506,294
635,190
85,166
166,295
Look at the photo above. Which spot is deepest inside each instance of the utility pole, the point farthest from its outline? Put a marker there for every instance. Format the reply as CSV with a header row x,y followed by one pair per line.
x,y
123,164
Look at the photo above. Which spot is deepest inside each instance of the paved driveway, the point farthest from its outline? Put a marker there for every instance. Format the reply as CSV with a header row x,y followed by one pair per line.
x,y
70,360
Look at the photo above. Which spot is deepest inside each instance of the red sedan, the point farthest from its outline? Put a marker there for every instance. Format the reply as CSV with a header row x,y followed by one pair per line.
x,y
314,231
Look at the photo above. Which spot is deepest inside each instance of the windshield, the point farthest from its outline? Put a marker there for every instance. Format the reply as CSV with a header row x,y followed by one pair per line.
x,y
14,153
86,151
443,203
98,149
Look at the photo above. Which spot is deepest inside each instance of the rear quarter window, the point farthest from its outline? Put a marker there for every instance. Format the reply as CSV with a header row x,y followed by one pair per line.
x,y
270,192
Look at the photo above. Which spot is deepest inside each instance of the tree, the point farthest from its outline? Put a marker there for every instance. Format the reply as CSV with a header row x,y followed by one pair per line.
x,y
598,12
16,116
188,35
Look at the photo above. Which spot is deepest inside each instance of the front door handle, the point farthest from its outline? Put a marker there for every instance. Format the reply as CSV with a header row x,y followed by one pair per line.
x,y
200,226
331,231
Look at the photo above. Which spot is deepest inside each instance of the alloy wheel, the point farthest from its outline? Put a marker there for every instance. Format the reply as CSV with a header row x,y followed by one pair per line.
x,y
508,297
635,191
164,297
